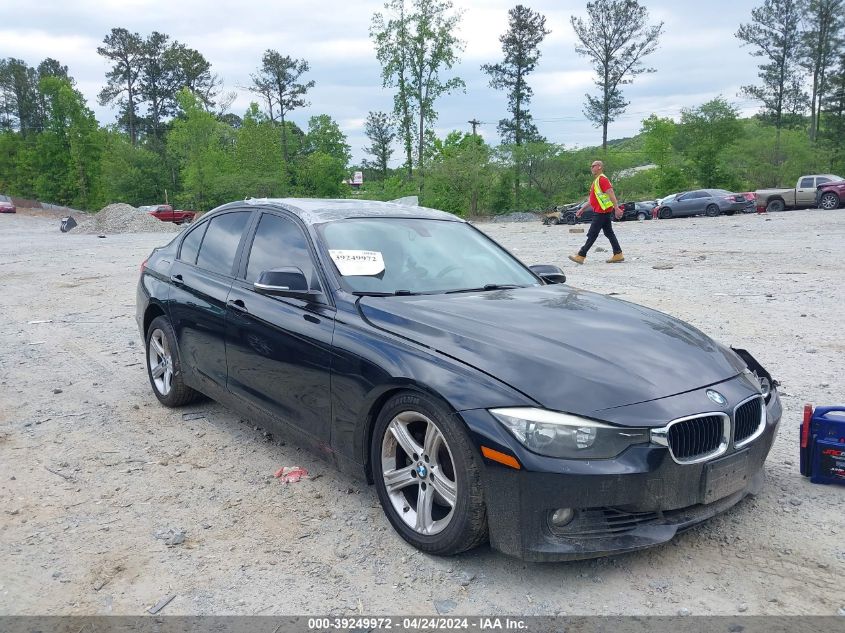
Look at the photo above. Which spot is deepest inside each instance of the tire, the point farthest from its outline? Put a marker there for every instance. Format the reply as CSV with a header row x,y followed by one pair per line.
x,y
456,519
775,206
828,201
163,358
641,216
711,211
665,213
571,218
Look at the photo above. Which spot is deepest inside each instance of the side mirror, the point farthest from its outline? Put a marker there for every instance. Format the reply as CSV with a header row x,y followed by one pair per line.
x,y
284,282
549,274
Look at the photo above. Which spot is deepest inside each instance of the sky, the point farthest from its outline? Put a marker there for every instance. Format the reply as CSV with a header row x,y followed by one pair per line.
x,y
698,58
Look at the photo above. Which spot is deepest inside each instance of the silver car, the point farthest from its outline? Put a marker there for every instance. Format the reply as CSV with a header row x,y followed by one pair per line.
x,y
710,202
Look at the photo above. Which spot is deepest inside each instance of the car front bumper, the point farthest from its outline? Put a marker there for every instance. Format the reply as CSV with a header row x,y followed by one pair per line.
x,y
639,499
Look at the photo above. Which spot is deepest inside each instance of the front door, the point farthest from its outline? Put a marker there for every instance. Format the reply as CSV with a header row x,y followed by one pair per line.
x,y
278,348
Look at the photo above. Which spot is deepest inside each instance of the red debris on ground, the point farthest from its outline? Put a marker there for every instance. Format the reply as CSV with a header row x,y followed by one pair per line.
x,y
290,474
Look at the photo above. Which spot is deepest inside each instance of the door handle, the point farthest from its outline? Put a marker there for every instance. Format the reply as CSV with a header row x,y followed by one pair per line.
x,y
310,317
237,304
176,279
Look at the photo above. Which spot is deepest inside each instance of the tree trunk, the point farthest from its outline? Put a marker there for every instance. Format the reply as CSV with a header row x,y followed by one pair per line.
x,y
284,137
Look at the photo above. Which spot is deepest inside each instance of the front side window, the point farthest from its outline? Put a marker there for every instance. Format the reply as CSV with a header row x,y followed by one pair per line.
x,y
418,256
220,245
278,243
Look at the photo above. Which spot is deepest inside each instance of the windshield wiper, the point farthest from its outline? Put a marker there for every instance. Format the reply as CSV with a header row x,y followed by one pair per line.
x,y
485,287
397,293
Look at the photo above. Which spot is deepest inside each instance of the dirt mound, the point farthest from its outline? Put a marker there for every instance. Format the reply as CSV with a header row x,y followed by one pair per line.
x,y
122,218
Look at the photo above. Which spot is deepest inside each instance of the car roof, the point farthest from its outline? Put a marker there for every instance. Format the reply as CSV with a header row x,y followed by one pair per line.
x,y
319,210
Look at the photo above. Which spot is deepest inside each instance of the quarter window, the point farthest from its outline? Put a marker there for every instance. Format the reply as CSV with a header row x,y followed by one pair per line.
x,y
279,243
191,244
220,245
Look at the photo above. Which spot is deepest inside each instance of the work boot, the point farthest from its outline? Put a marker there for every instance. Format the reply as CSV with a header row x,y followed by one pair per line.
x,y
617,257
578,259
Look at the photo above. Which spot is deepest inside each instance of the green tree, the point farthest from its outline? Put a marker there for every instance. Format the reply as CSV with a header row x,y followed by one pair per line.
x,y
705,133
521,46
834,114
379,129
126,52
821,41
259,163
68,149
19,97
659,138
319,175
615,38
278,77
421,45
324,135
774,32
131,174
198,143
460,174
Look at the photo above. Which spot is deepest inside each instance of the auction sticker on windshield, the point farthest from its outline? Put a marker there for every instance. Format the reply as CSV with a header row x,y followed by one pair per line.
x,y
350,262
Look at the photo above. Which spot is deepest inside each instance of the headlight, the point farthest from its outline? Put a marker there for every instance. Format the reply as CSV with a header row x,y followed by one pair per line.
x,y
570,436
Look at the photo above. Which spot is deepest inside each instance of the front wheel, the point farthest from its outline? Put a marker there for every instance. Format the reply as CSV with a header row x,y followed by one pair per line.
x,y
164,367
641,216
665,213
426,476
829,200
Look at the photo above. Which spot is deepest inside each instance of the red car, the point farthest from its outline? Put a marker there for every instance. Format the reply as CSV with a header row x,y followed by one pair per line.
x,y
7,207
165,213
830,195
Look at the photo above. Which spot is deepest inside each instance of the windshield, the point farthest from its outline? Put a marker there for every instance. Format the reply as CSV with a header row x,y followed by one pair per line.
x,y
412,255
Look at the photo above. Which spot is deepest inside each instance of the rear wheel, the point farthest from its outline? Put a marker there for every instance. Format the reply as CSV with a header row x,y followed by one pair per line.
x,y
712,210
426,476
829,200
665,213
164,367
641,216
775,206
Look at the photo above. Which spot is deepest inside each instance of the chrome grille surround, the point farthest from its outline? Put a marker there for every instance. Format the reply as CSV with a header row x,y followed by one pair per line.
x,y
660,436
746,410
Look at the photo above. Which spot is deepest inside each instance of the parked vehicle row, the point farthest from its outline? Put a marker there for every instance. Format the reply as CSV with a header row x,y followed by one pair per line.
x,y
566,214
709,202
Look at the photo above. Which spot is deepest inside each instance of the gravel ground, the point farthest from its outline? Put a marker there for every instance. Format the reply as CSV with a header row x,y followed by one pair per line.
x,y
111,502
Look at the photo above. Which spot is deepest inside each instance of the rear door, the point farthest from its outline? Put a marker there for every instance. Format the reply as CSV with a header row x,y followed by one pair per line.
x,y
278,349
200,280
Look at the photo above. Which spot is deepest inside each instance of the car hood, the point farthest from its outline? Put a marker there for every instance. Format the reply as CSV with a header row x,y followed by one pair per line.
x,y
567,349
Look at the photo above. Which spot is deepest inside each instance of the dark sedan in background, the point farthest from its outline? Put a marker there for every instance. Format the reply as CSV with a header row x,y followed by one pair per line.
x,y
710,202
483,398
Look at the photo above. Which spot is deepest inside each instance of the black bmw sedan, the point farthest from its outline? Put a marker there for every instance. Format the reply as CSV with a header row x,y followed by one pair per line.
x,y
484,399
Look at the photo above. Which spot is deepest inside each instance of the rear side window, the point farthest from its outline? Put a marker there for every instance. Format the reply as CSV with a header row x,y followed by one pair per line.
x,y
220,245
191,244
821,180
278,243
806,183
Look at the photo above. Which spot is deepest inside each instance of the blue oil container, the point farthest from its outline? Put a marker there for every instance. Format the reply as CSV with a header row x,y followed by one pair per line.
x,y
823,444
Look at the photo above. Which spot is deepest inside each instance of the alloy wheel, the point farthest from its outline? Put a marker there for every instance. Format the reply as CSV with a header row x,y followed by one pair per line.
x,y
161,362
829,201
418,471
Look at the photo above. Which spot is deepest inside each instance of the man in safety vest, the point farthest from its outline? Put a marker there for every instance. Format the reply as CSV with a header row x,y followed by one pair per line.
x,y
603,201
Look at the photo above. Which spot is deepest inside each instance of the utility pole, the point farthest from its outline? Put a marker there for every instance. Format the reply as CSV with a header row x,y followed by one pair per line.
x,y
474,123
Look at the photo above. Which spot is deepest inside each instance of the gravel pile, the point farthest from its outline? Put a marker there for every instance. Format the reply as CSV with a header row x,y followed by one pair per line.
x,y
122,218
519,216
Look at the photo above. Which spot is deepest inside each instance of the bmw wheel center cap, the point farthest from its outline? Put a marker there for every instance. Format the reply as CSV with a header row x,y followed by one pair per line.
x,y
422,471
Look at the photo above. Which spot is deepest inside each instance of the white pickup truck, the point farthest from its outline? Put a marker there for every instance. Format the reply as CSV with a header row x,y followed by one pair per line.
x,y
802,197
